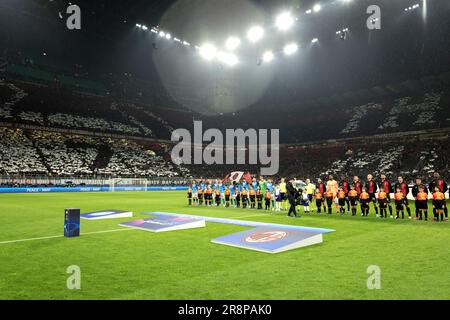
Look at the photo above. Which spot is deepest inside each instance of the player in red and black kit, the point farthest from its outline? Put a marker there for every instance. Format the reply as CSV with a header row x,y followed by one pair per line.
x,y
322,188
358,184
403,186
443,187
372,188
346,188
386,186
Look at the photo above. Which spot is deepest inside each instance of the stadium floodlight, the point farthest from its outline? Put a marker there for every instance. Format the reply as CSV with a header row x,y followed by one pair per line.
x,y
138,25
144,27
168,36
290,49
208,51
227,58
162,34
255,33
308,11
284,21
317,7
314,40
187,44
268,56
232,43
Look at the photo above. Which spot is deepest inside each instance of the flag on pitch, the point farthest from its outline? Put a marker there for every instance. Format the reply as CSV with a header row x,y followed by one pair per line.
x,y
237,176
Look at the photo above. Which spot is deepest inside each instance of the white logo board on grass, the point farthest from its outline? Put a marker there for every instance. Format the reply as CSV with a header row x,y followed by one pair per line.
x,y
106,214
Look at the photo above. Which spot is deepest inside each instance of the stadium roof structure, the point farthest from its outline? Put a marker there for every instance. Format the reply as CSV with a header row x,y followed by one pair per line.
x,y
410,49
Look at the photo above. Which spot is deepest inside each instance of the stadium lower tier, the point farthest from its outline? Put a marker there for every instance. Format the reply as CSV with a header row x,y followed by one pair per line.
x,y
26,152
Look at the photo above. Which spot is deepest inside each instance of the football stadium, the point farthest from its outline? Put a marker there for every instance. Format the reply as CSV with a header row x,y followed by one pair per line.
x,y
224,150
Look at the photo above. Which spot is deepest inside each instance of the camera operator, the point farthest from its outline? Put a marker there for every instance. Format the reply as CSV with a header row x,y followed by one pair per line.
x,y
292,195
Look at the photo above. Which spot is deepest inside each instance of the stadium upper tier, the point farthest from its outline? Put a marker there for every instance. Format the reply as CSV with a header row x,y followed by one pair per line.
x,y
41,105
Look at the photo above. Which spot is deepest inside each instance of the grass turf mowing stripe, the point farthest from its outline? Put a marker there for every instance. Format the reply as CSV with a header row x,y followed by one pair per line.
x,y
60,236
94,232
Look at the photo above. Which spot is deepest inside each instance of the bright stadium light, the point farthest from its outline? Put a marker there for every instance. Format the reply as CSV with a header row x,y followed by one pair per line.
x,y
268,56
317,8
308,11
208,51
168,36
138,25
144,28
255,34
162,34
314,40
232,43
290,49
229,59
284,21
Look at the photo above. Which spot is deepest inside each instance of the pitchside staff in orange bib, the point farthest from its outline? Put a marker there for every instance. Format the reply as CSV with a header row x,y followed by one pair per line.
x,y
342,196
386,186
227,197
422,202
438,204
319,201
329,197
415,192
399,199
403,186
189,195
443,187
353,198
364,199
382,202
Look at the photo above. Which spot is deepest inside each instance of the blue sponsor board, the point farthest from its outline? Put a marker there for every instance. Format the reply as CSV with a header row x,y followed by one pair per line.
x,y
270,240
106,214
165,223
72,223
243,223
89,189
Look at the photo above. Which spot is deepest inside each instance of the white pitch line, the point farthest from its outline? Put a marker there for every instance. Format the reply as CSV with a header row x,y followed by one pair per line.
x,y
60,236
105,231
253,215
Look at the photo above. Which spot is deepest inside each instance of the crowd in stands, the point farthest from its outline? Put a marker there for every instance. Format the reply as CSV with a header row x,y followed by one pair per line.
x,y
28,103
32,104
57,154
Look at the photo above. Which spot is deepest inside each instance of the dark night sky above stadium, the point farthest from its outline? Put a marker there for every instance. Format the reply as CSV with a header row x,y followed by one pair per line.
x,y
407,47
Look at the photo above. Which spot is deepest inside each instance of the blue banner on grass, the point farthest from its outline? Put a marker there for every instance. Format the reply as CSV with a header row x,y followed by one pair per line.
x,y
89,189
164,223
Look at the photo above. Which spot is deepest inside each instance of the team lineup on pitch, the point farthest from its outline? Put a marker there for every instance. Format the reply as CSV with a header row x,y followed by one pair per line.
x,y
261,194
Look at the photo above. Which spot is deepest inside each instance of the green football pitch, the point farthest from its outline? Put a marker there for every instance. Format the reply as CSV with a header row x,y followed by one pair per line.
x,y
413,256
